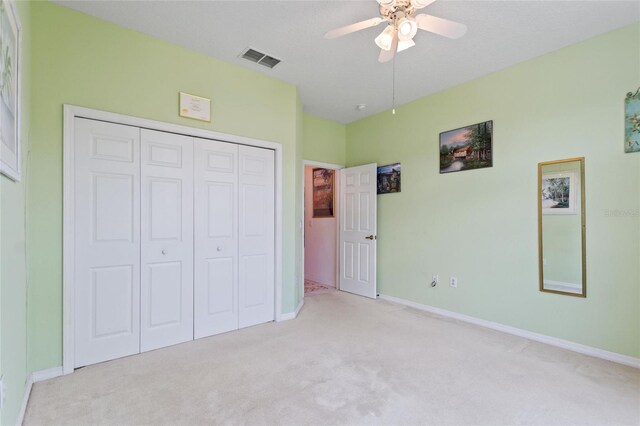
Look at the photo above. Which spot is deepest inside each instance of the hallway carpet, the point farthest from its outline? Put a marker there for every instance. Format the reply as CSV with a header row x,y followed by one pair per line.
x,y
312,288
347,360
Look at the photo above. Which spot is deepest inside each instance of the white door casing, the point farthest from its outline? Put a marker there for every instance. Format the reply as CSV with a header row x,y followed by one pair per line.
x,y
358,230
216,242
107,241
256,235
166,310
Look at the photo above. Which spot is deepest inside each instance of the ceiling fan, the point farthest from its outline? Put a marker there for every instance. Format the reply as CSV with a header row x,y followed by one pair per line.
x,y
403,24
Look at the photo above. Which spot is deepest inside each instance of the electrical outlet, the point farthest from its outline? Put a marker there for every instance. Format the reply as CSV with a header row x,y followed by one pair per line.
x,y
453,282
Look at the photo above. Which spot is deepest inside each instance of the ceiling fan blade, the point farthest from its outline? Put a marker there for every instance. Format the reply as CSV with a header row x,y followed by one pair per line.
x,y
387,55
419,4
339,32
440,26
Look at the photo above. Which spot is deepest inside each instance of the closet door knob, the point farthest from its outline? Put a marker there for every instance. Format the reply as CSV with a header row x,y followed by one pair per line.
x,y
164,251
219,248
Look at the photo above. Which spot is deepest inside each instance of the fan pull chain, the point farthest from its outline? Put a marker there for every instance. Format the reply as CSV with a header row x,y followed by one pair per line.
x,y
393,111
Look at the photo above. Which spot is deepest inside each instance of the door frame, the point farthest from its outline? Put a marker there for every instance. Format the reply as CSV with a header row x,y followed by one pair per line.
x,y
71,112
336,204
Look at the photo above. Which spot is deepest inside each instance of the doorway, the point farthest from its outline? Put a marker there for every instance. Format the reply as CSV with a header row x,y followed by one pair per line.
x,y
320,229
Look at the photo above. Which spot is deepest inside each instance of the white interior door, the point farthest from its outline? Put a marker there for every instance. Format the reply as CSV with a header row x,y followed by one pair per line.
x,y
107,241
358,230
256,235
216,237
166,315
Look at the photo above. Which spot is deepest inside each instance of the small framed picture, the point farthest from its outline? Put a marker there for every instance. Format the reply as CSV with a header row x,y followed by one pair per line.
x,y
559,193
389,178
195,107
323,180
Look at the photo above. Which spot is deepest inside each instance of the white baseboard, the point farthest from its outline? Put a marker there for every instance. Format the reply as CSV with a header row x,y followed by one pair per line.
x,y
25,401
292,315
35,377
49,373
553,341
300,305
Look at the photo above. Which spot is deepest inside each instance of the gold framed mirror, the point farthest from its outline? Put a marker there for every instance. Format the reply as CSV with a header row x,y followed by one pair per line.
x,y
561,227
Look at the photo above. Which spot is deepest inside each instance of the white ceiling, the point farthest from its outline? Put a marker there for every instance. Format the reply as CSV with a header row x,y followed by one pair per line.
x,y
333,76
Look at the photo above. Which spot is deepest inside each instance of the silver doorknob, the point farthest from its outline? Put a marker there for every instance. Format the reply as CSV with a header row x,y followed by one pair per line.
x,y
164,251
219,248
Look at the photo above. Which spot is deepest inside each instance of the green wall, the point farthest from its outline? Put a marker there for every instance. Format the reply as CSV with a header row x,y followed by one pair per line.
x,y
89,62
481,225
13,258
324,140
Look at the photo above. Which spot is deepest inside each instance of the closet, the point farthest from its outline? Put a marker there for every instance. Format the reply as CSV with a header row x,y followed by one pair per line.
x,y
173,237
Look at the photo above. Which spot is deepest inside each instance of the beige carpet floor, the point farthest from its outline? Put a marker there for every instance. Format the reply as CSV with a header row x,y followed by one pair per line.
x,y
347,360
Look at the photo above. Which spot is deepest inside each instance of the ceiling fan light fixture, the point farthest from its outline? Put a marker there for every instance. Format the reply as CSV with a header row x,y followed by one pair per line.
x,y
407,29
385,38
402,25
404,45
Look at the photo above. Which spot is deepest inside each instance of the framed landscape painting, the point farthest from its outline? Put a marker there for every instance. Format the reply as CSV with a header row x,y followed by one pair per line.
x,y
9,91
632,122
389,178
323,180
467,148
559,193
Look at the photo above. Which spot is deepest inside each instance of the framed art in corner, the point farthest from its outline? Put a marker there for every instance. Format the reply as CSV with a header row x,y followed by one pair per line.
x,y
10,155
323,180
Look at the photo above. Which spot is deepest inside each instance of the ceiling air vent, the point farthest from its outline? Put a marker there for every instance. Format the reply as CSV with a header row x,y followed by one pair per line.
x,y
260,58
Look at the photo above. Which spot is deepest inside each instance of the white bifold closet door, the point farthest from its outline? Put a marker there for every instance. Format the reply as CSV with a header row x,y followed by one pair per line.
x,y
256,215
234,228
216,245
107,241
166,286
174,239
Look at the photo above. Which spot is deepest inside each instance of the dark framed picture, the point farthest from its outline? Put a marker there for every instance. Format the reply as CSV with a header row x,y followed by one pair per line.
x,y
323,181
467,148
389,178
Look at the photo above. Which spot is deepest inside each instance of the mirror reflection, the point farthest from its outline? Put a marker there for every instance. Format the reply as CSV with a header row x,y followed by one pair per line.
x,y
562,226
